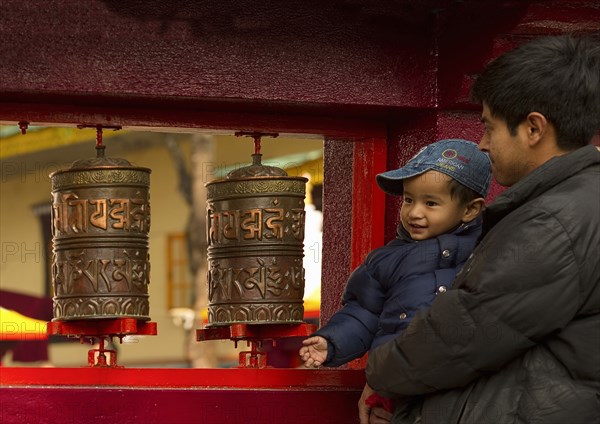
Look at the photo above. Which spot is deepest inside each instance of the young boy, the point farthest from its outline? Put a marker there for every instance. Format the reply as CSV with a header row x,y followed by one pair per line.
x,y
443,189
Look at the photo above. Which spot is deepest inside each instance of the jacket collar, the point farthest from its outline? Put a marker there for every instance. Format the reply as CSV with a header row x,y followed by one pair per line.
x,y
539,181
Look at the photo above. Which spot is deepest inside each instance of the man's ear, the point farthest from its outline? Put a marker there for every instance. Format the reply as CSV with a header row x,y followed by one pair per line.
x,y
537,125
473,209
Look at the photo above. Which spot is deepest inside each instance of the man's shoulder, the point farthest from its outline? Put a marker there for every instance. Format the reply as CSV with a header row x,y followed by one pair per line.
x,y
581,190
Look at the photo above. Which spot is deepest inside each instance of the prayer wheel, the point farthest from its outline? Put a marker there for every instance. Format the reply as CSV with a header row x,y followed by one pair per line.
x,y
255,231
100,225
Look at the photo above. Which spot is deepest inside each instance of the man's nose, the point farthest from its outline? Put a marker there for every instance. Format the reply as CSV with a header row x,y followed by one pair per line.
x,y
484,143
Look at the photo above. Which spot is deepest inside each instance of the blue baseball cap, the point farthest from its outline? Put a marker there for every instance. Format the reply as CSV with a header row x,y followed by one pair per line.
x,y
460,159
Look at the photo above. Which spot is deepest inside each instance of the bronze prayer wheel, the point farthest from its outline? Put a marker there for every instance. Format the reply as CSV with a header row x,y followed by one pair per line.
x,y
255,230
100,225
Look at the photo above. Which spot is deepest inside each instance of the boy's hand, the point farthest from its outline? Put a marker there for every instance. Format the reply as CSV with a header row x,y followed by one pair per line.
x,y
314,351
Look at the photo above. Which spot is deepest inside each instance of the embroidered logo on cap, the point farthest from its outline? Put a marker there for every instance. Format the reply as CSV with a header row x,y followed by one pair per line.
x,y
452,154
449,153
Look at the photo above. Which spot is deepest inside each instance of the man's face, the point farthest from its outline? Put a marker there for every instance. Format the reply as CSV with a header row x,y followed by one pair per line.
x,y
509,153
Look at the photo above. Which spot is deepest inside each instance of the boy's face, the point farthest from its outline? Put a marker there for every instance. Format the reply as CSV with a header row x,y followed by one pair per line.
x,y
427,209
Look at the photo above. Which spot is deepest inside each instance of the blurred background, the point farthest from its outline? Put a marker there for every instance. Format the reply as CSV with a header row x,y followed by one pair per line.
x,y
181,164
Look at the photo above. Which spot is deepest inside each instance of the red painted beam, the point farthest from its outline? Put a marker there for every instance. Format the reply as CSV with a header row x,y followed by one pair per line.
x,y
341,122
74,405
232,378
207,396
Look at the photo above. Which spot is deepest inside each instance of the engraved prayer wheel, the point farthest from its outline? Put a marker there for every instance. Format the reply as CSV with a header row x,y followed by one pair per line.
x,y
100,225
255,230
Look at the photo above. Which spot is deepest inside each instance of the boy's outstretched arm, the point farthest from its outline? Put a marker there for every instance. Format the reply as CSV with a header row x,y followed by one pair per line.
x,y
314,351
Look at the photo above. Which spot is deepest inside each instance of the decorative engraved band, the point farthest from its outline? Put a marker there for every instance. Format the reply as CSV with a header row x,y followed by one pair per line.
x,y
102,307
252,187
291,313
67,179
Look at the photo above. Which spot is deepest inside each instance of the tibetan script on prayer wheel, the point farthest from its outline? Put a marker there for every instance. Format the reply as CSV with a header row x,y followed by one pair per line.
x,y
100,225
255,230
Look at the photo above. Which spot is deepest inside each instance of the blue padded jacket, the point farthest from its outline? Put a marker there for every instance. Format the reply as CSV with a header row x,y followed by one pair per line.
x,y
383,294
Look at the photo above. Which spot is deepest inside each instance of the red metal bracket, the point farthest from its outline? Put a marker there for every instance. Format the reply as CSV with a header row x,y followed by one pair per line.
x,y
89,330
99,146
255,335
100,361
256,135
23,125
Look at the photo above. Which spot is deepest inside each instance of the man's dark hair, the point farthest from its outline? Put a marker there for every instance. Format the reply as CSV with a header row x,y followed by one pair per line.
x,y
558,77
463,193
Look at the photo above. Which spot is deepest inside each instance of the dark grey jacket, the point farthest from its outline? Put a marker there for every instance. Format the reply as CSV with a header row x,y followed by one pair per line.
x,y
517,339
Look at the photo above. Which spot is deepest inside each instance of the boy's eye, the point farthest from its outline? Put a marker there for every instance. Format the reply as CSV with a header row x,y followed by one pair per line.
x,y
407,200
430,203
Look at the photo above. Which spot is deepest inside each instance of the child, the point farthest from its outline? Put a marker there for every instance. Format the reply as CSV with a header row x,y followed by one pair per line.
x,y
443,189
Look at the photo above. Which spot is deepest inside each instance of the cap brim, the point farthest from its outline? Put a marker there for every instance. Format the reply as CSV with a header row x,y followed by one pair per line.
x,y
391,181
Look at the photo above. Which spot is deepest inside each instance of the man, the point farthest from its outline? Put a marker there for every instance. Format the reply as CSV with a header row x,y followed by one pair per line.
x,y
517,338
